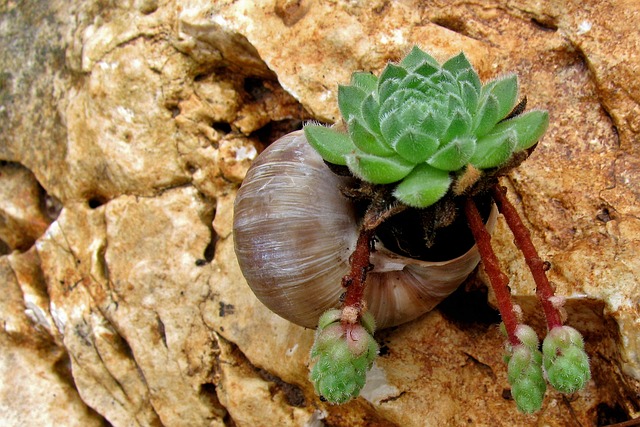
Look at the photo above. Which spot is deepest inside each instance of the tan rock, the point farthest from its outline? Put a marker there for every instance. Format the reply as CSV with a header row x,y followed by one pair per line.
x,y
128,318
250,399
311,58
23,215
36,387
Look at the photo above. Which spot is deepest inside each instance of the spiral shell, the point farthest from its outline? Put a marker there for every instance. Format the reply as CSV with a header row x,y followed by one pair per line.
x,y
294,232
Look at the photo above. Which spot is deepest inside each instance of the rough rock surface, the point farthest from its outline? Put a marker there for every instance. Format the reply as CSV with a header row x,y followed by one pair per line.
x,y
126,128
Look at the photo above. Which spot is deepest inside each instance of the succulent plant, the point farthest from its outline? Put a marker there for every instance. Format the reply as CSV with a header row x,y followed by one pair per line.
x,y
342,356
421,124
564,359
524,368
426,143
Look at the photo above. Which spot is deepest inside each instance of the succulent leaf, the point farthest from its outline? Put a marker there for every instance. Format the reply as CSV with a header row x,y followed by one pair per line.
x,y
424,186
376,169
414,146
365,81
434,124
529,127
455,154
460,125
494,150
471,77
387,88
445,82
371,114
349,101
332,145
329,317
457,64
367,141
368,322
427,70
527,336
469,95
488,115
392,72
416,82
505,90
416,58
391,125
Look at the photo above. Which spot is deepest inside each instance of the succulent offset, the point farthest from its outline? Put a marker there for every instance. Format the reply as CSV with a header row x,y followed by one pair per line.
x,y
524,368
564,359
343,354
563,362
421,124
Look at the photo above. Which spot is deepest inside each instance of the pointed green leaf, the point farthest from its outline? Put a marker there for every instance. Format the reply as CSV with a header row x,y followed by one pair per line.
x,y
505,89
392,72
367,141
416,58
412,112
493,150
457,64
328,317
409,114
415,146
460,125
454,155
529,127
329,143
368,322
471,76
434,123
445,82
368,82
378,170
391,126
455,102
349,100
415,81
427,70
469,96
401,98
424,186
487,115
371,114
387,88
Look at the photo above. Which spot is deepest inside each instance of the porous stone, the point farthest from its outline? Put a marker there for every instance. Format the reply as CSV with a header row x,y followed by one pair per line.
x,y
23,213
37,386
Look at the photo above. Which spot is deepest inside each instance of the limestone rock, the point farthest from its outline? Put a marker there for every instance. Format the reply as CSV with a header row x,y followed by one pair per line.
x,y
127,291
37,386
23,209
124,303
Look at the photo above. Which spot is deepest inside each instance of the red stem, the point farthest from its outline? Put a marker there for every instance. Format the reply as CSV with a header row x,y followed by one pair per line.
x,y
499,281
360,266
522,236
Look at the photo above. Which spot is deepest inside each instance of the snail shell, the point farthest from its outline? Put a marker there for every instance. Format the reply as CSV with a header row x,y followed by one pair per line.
x,y
294,232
